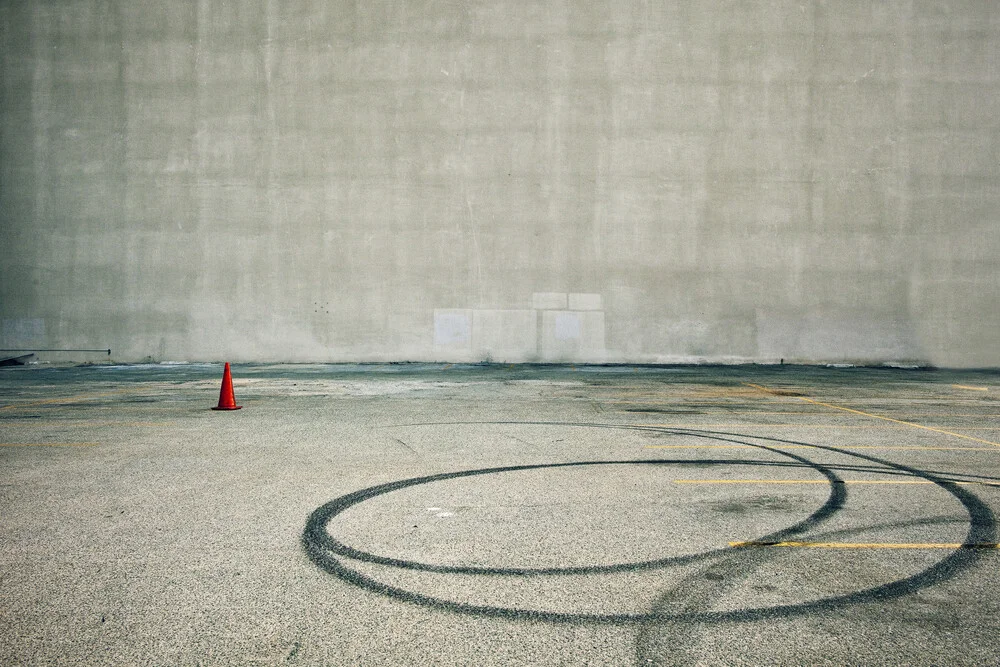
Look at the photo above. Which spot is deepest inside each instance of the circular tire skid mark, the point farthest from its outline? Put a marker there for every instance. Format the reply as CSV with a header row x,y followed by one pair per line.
x,y
330,554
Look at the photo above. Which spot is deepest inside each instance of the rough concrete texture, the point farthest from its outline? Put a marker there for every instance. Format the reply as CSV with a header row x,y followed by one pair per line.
x,y
738,180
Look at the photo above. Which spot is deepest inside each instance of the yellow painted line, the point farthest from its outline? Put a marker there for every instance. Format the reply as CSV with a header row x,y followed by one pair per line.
x,y
759,425
788,412
888,419
727,447
948,414
663,398
49,444
965,386
976,428
681,401
635,392
852,447
794,481
819,481
870,545
745,425
696,407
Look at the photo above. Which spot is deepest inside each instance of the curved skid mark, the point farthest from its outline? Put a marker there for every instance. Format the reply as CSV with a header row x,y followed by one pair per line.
x,y
318,521
320,546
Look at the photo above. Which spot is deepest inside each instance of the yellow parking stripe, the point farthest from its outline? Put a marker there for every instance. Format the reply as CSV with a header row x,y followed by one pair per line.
x,y
870,545
819,481
850,447
888,419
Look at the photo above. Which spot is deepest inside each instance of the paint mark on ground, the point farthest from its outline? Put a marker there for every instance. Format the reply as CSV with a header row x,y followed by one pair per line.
x,y
965,386
819,481
874,416
869,545
743,425
851,447
804,412
439,512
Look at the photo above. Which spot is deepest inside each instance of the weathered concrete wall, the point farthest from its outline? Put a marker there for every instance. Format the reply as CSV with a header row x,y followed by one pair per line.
x,y
514,180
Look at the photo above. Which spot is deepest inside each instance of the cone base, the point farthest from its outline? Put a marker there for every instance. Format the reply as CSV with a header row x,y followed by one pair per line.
x,y
235,407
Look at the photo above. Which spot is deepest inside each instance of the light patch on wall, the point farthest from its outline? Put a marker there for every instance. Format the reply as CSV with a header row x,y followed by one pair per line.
x,y
504,335
567,326
548,301
585,302
452,327
572,336
547,332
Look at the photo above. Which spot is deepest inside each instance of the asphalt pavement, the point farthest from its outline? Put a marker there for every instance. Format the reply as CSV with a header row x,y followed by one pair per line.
x,y
491,514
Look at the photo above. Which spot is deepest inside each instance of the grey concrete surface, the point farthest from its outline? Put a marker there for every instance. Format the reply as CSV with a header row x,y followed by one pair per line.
x,y
140,527
506,180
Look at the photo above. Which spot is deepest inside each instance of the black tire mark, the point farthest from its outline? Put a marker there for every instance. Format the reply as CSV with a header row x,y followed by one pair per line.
x,y
323,549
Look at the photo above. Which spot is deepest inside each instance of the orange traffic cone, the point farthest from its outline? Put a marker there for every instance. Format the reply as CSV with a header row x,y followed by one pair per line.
x,y
227,400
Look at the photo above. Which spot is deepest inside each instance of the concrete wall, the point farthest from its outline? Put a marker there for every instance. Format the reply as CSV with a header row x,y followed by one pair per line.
x,y
515,180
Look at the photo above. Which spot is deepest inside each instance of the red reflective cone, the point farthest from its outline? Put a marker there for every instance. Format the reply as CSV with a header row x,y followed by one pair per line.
x,y
227,400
